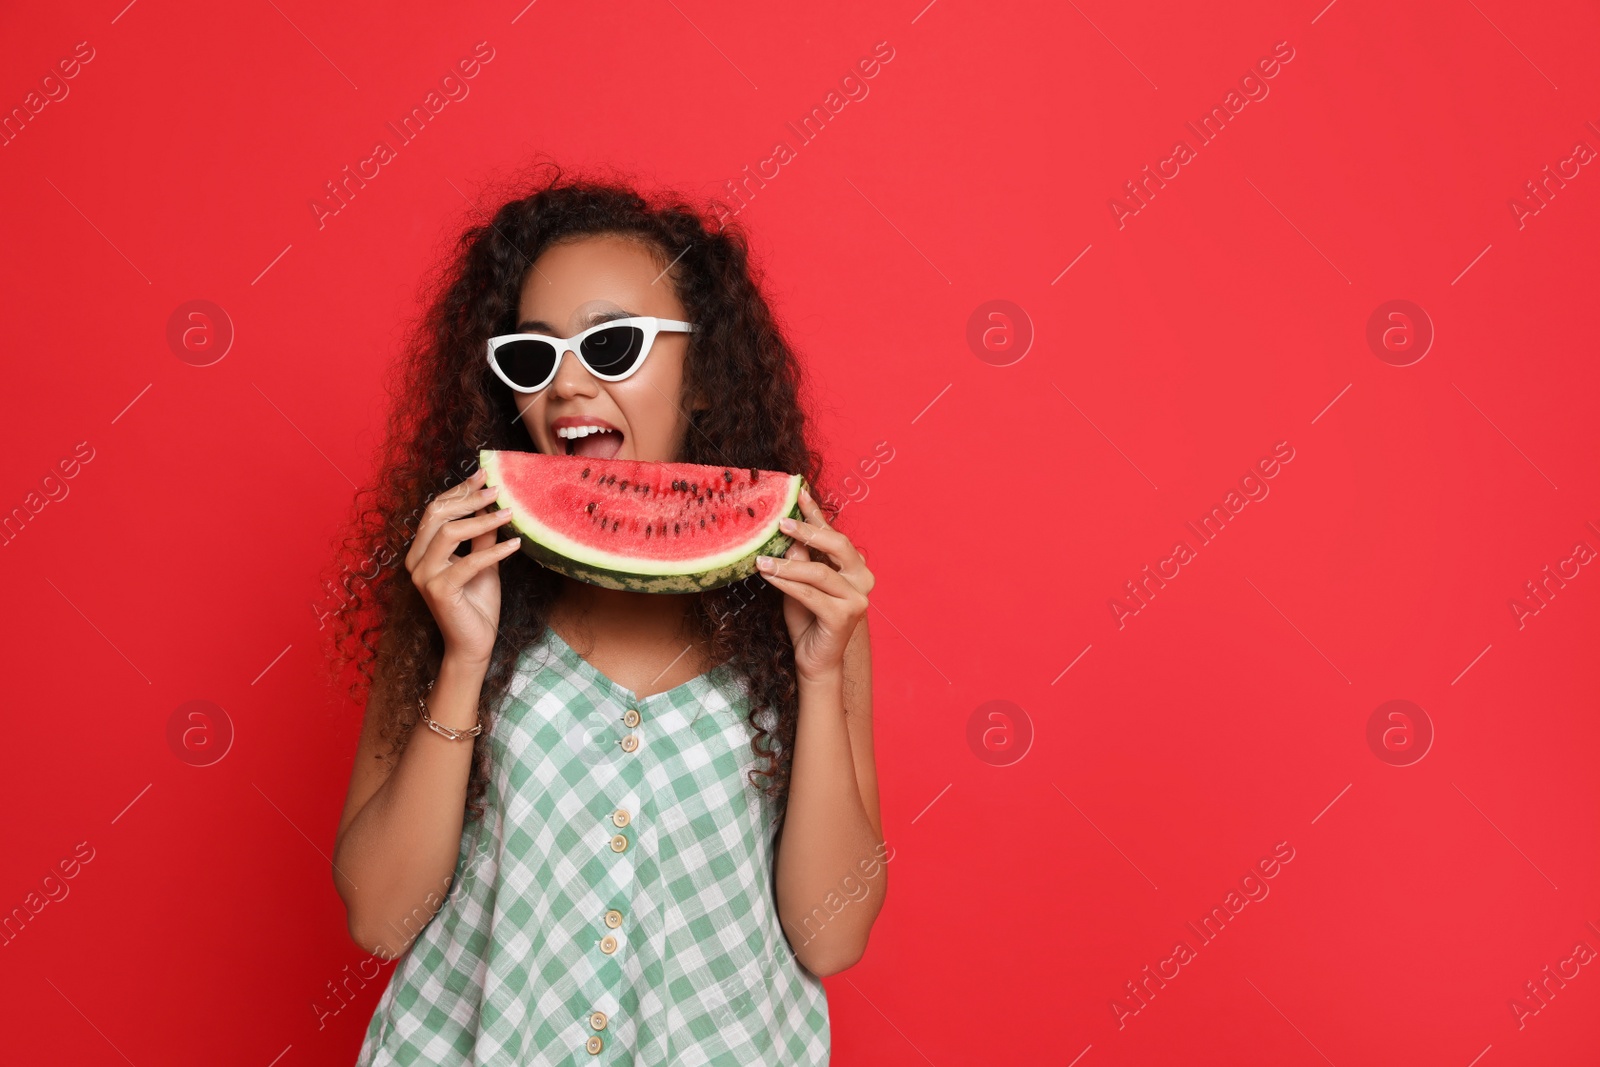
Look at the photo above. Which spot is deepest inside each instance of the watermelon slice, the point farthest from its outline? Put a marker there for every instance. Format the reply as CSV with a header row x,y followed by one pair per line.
x,y
641,526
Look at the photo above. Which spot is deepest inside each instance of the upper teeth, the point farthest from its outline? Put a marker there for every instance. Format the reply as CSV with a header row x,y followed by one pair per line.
x,y
566,432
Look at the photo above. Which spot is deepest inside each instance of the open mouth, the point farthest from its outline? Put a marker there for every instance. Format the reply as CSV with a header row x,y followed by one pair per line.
x,y
590,441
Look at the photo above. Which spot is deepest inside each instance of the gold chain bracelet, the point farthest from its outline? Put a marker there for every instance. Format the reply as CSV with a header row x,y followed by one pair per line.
x,y
445,731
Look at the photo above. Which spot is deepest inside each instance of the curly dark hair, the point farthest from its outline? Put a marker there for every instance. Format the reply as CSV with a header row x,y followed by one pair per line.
x,y
447,405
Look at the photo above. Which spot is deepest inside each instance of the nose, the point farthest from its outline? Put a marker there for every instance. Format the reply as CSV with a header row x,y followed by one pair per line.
x,y
572,377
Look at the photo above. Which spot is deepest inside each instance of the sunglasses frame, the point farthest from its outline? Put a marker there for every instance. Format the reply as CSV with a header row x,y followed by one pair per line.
x,y
649,324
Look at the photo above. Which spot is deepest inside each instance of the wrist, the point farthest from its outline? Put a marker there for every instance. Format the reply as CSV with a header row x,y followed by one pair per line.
x,y
463,664
452,699
828,677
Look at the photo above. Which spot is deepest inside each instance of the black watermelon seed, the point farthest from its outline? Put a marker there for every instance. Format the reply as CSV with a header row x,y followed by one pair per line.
x,y
751,512
702,524
585,473
590,507
647,533
674,527
615,523
727,475
624,484
755,475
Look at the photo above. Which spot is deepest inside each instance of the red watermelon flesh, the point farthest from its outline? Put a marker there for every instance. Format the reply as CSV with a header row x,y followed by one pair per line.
x,y
640,525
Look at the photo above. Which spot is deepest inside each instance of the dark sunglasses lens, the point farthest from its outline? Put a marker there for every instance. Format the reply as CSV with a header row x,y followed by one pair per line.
x,y
614,350
526,362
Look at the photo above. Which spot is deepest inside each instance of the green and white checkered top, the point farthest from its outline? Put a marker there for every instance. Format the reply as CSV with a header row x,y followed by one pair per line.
x,y
615,905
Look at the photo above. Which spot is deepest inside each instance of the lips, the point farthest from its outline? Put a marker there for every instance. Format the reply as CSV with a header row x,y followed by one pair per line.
x,y
583,435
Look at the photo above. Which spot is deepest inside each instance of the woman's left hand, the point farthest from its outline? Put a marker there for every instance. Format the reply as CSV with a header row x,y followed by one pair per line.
x,y
826,582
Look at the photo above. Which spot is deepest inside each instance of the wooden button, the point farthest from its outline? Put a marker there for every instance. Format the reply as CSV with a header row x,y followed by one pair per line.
x,y
608,944
594,1045
630,743
613,918
598,1020
618,843
620,816
630,718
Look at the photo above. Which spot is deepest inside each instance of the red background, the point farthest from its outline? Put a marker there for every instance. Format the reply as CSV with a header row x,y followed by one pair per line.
x,y
1229,314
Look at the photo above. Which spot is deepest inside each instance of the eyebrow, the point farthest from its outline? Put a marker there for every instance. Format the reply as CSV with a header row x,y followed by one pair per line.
x,y
540,326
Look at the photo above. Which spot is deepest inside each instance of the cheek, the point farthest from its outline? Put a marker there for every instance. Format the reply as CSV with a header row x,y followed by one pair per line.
x,y
638,400
531,419
650,412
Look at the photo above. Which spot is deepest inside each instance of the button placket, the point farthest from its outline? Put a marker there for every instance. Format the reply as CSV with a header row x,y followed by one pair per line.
x,y
620,818
630,718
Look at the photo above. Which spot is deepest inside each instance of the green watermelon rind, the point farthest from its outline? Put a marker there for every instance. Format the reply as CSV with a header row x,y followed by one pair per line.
x,y
727,568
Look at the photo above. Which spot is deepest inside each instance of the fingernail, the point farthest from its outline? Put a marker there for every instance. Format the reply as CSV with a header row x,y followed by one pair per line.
x,y
786,525
764,562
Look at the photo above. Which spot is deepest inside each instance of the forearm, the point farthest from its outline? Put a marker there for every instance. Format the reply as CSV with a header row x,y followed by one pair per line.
x,y
830,885
394,863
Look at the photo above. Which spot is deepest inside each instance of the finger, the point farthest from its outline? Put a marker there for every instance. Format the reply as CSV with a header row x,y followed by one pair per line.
x,y
821,539
486,539
452,533
855,577
812,510
467,567
459,500
820,604
818,575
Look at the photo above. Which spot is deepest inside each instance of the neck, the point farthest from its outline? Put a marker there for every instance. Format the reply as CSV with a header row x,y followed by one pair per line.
x,y
621,610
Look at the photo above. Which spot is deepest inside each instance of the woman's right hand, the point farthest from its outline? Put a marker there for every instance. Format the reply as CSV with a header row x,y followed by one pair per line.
x,y
462,592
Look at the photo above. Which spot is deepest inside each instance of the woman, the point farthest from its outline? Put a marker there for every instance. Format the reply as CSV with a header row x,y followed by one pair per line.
x,y
634,853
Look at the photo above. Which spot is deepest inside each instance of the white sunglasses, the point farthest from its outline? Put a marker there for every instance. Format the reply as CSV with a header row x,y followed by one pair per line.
x,y
610,351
